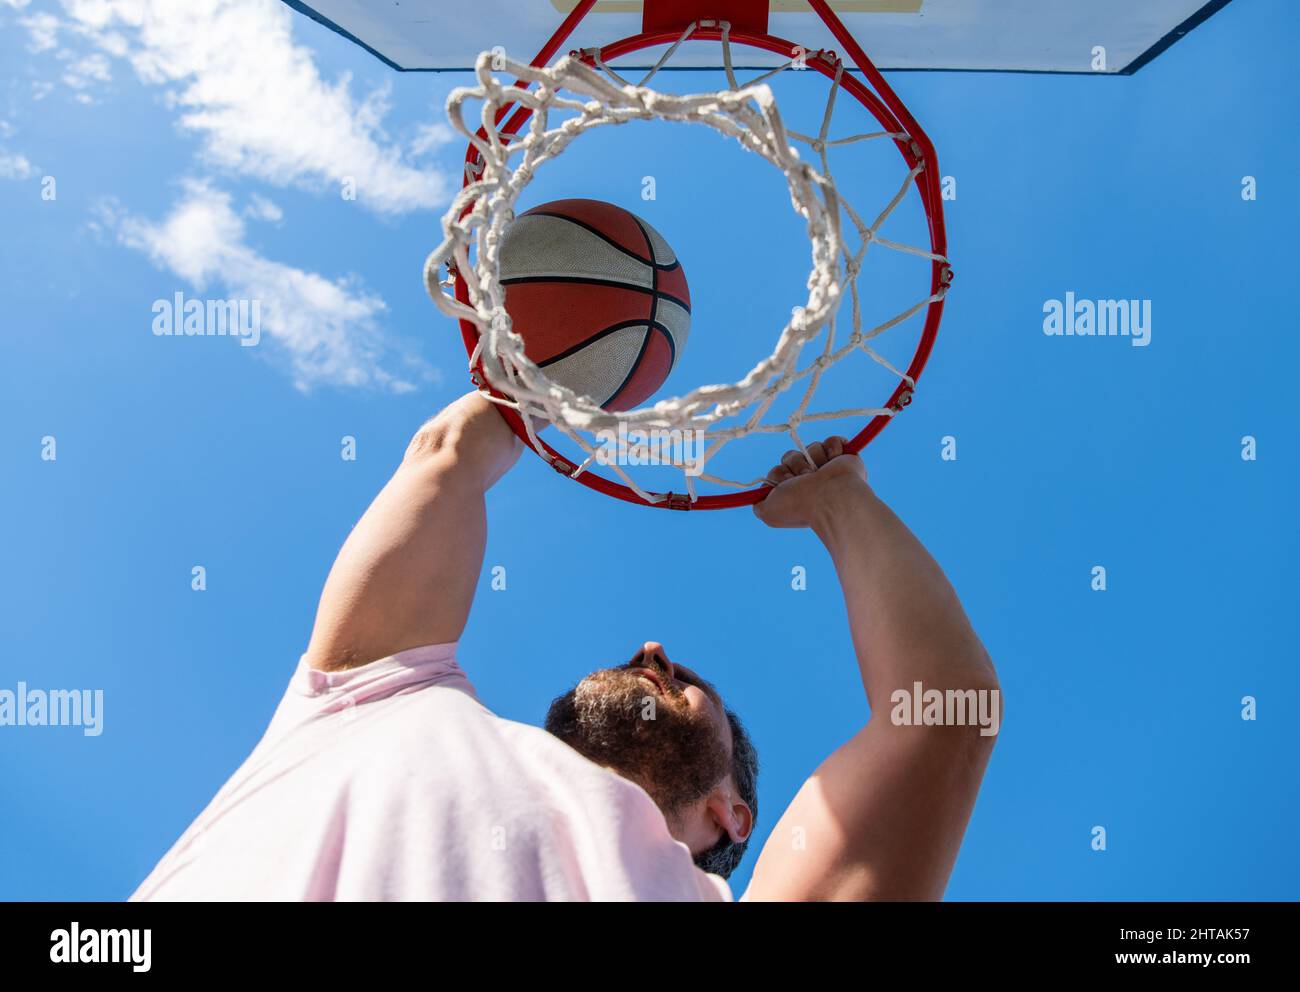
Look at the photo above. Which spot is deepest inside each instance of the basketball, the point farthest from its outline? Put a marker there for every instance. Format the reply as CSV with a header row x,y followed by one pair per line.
x,y
598,297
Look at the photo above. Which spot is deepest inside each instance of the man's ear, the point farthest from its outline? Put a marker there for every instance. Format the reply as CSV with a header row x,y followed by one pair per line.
x,y
731,813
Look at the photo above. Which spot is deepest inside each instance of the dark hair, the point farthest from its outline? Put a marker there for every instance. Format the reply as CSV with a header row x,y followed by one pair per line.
x,y
724,856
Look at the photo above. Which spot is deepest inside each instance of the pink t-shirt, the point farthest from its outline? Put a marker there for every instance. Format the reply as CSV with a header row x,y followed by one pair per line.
x,y
392,781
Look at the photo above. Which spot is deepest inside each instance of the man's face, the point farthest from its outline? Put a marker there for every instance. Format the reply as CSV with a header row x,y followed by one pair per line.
x,y
653,722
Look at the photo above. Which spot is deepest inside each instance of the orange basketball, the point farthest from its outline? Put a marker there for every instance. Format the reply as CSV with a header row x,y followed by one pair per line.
x,y
599,298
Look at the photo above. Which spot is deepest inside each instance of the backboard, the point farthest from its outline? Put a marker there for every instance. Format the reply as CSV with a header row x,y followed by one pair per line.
x,y
1055,36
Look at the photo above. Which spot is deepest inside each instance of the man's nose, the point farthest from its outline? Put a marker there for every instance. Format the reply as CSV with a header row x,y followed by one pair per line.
x,y
652,652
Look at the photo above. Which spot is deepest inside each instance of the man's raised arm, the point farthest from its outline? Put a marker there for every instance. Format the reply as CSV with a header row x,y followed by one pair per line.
x,y
406,574
883,816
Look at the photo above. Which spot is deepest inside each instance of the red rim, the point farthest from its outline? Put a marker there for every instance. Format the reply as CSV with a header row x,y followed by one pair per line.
x,y
885,106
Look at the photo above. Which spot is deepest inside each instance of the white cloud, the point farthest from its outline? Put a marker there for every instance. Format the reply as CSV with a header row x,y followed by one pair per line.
x,y
327,330
14,166
83,72
254,97
114,43
42,31
431,137
260,208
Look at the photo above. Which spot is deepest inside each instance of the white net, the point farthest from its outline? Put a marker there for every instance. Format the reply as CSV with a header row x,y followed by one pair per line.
x,y
571,98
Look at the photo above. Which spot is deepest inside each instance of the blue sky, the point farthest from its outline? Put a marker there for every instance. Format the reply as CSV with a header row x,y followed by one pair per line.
x,y
208,161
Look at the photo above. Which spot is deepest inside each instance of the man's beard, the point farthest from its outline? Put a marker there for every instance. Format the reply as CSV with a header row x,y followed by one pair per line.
x,y
617,719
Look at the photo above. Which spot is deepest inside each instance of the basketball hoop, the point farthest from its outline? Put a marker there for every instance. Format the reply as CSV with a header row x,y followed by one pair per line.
x,y
502,159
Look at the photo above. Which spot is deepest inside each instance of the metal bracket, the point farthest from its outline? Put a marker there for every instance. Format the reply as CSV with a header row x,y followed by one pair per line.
x,y
677,501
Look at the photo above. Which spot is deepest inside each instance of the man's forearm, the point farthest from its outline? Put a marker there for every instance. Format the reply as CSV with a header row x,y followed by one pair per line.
x,y
406,574
906,621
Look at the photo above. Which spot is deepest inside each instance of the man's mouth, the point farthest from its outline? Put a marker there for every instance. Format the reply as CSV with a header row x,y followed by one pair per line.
x,y
653,677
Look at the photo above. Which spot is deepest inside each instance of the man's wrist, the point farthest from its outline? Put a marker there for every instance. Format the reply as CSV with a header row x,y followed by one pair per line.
x,y
842,498
468,436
